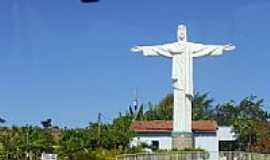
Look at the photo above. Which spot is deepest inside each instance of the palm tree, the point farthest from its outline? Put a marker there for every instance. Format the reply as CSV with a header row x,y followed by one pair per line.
x,y
202,107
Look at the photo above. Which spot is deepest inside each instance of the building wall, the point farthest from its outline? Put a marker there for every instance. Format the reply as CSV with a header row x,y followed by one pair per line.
x,y
165,141
226,134
208,142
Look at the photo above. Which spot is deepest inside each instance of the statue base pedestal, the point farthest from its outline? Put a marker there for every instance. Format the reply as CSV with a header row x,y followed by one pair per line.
x,y
182,140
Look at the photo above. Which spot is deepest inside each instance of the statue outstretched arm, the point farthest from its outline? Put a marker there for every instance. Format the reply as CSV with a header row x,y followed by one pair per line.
x,y
166,50
200,50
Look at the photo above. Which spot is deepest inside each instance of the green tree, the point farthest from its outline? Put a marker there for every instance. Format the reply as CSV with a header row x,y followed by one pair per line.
x,y
244,117
72,141
162,111
2,120
226,113
46,123
250,113
120,132
202,108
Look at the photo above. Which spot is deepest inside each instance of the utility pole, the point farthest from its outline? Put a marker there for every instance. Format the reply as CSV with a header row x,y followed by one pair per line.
x,y
99,129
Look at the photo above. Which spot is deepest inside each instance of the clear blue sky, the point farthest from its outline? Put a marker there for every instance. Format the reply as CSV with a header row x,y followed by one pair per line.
x,y
67,61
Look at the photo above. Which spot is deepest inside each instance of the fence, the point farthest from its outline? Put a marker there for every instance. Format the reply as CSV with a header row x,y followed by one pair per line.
x,y
195,156
48,156
243,156
166,156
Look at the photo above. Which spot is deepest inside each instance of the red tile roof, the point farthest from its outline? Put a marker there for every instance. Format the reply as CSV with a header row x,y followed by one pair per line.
x,y
165,126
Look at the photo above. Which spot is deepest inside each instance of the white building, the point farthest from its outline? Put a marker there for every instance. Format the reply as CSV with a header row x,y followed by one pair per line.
x,y
158,134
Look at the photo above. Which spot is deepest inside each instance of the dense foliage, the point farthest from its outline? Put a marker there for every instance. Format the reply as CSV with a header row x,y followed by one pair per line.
x,y
101,141
96,142
249,119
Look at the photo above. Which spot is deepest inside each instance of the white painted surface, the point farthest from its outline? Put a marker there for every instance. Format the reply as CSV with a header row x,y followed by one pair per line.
x,y
182,53
48,156
208,142
165,142
226,134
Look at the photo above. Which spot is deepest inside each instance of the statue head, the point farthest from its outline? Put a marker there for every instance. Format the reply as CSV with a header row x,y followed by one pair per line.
x,y
182,33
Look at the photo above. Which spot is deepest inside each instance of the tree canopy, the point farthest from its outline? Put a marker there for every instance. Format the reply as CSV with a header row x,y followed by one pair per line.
x,y
98,140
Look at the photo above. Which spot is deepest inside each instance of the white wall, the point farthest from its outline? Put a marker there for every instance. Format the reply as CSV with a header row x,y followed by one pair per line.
x,y
226,134
208,142
165,141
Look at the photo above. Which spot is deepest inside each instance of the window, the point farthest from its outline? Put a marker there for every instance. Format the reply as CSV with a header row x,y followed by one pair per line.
x,y
155,145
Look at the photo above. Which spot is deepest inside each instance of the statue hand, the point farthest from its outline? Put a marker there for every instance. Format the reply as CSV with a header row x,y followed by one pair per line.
x,y
229,47
136,49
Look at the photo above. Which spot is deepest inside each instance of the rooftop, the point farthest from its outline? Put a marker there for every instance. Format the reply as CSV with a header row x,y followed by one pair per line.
x,y
165,126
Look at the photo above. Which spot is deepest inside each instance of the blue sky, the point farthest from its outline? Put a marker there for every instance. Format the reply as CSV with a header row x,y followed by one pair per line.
x,y
67,61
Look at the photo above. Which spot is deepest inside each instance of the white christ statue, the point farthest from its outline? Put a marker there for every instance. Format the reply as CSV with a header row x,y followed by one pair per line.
x,y
182,53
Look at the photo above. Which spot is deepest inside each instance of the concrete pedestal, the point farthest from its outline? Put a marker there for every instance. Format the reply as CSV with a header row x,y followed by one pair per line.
x,y
182,140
